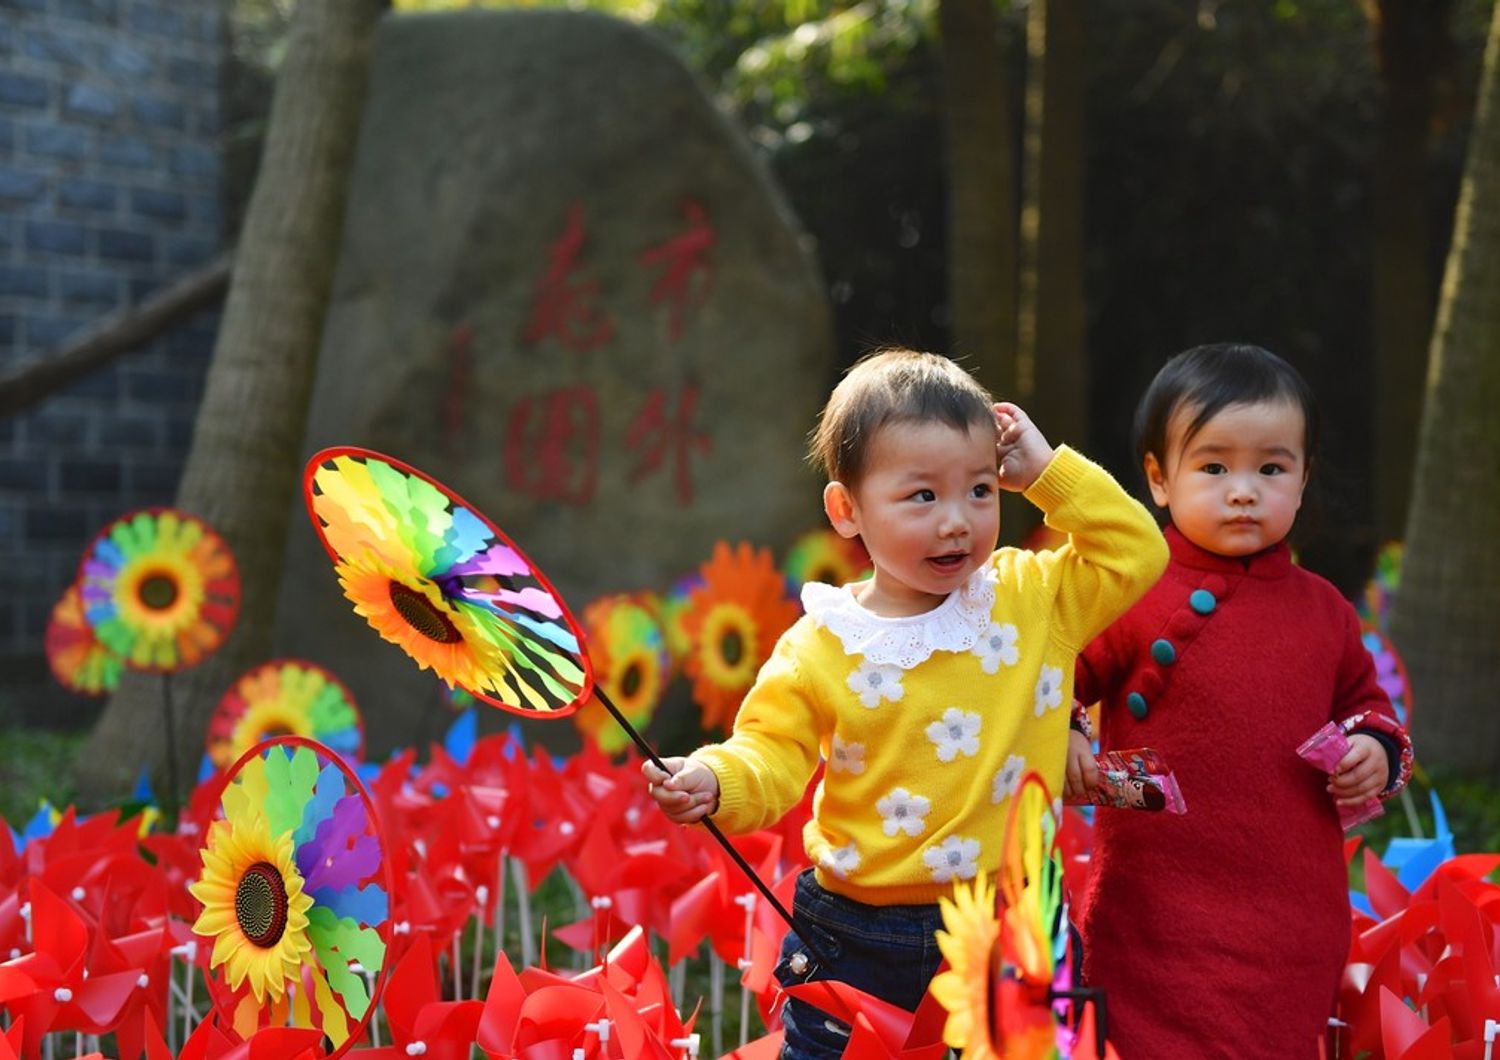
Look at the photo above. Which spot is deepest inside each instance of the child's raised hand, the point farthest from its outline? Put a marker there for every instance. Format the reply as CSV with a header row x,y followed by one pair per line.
x,y
1082,772
1021,448
687,793
1362,773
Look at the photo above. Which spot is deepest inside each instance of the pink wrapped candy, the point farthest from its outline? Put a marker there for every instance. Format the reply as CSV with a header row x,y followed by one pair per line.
x,y
1325,749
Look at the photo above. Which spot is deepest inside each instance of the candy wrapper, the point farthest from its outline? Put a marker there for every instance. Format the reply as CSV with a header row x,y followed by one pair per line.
x,y
1324,749
1135,779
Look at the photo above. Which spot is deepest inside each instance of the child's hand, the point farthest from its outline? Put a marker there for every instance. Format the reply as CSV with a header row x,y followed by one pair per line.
x,y
1083,772
1362,773
1022,450
689,792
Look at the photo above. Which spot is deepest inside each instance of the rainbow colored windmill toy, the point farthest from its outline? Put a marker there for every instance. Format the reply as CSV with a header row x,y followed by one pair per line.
x,y
79,661
160,589
434,576
285,697
295,891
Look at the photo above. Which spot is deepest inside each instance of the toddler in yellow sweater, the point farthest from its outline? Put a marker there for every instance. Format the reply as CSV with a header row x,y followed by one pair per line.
x,y
929,688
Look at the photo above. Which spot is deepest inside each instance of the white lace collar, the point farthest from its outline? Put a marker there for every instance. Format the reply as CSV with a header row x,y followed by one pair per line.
x,y
906,641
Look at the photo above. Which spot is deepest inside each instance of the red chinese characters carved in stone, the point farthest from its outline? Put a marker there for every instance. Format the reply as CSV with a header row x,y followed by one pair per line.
x,y
658,433
565,304
552,445
686,271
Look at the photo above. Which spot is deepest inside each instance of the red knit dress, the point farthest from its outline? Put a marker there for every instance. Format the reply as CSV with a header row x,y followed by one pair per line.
x,y
1223,932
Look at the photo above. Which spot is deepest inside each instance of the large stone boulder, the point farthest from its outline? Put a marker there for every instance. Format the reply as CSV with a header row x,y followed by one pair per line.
x,y
570,291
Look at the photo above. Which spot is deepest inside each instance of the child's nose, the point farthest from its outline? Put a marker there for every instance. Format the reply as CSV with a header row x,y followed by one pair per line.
x,y
954,522
1241,489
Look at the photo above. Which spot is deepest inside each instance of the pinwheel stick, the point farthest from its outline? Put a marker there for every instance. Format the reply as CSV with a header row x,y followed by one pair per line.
x,y
720,837
169,730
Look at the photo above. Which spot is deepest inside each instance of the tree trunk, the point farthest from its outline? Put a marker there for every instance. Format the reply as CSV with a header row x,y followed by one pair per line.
x,y
1446,619
242,471
1413,46
980,145
1052,361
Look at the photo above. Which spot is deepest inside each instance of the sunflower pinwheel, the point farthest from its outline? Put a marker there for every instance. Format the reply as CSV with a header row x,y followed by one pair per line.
x,y
1010,976
285,697
160,589
734,619
631,663
433,576
1374,604
672,608
79,660
825,556
295,893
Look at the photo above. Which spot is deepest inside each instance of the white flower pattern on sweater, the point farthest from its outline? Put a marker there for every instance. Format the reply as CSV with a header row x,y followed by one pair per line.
x,y
955,858
954,625
847,757
1049,688
998,646
957,732
841,861
1008,779
901,811
872,683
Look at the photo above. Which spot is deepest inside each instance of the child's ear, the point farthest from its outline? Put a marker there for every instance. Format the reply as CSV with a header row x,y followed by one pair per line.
x,y
1156,480
838,505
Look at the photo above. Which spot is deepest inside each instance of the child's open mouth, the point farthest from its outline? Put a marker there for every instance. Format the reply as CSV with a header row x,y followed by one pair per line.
x,y
950,562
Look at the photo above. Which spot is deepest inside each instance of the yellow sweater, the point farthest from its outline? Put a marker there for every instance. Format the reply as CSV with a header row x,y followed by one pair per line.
x,y
928,722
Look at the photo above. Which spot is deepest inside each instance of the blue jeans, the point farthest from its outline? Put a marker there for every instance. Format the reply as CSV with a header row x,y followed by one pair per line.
x,y
887,950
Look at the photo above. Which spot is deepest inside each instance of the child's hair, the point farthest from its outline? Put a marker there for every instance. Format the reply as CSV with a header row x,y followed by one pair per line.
x,y
892,386
1208,379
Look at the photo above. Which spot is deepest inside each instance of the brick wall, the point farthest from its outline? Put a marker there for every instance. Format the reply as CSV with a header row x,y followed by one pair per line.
x,y
110,186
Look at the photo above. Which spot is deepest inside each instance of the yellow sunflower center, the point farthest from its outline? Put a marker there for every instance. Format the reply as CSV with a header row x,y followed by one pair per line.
x,y
423,615
260,904
157,590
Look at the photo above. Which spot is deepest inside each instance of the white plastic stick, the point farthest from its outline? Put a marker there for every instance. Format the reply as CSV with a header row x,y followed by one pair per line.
x,y
748,901
523,910
716,1000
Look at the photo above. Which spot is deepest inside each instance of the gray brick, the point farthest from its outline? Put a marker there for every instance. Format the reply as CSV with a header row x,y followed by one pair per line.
x,y
89,288
7,338
24,280
191,73
127,152
18,186
125,61
10,625
26,476
46,46
154,480
180,432
131,431
55,237
119,245
7,134
188,251
192,160
79,194
85,101
18,90
156,387
157,19
103,386
10,523
44,330
57,141
60,522
158,205
96,12
90,476
159,113
7,38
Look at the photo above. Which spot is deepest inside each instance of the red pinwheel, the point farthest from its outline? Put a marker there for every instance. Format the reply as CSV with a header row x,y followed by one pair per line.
x,y
421,1023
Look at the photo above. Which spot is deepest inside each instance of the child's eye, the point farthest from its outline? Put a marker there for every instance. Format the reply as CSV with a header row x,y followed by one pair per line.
x,y
926,496
1272,469
1214,469
982,490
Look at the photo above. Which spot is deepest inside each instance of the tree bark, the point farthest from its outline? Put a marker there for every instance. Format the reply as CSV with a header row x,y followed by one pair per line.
x,y
1446,618
1413,46
1052,363
979,137
242,470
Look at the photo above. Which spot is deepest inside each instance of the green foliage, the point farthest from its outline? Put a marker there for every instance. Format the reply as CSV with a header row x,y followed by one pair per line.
x,y
36,764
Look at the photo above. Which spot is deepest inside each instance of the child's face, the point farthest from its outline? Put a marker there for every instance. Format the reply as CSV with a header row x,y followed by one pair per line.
x,y
1234,487
927,509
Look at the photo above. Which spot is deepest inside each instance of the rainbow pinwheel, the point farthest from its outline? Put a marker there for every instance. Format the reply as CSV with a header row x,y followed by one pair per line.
x,y
824,556
432,575
1390,672
79,660
1011,978
160,589
285,697
295,893
1374,604
631,662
